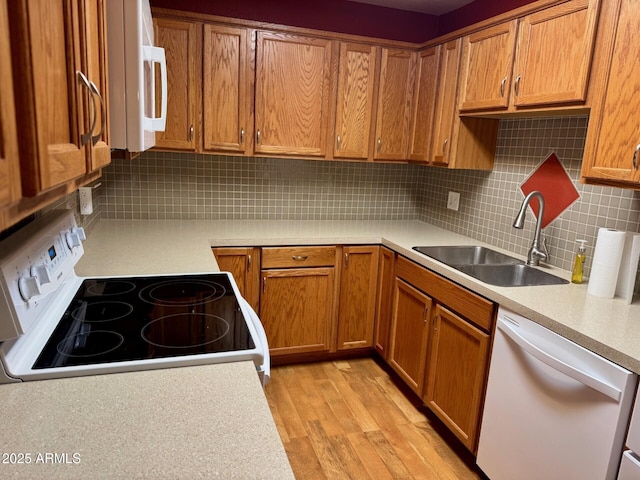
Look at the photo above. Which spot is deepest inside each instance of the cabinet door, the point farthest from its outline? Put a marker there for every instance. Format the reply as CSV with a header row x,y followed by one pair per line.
x,y
424,103
226,89
397,72
9,160
358,283
47,55
409,334
356,82
446,106
296,309
244,265
554,52
457,371
488,63
384,302
292,94
94,31
612,151
181,44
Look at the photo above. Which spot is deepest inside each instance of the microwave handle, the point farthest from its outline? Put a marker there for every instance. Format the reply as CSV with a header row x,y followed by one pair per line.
x,y
156,55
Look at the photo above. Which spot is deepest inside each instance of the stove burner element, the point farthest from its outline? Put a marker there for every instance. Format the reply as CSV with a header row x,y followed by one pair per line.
x,y
110,287
101,311
182,292
90,343
185,330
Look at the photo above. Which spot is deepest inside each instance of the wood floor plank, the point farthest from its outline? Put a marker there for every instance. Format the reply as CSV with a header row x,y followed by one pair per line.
x,y
348,419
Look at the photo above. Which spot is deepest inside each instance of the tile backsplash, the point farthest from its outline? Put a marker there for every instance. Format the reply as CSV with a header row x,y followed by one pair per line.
x,y
160,185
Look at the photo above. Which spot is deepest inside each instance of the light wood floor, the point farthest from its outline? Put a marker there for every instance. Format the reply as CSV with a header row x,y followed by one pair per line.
x,y
348,419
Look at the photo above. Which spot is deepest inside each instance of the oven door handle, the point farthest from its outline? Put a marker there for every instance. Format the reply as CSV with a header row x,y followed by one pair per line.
x,y
262,339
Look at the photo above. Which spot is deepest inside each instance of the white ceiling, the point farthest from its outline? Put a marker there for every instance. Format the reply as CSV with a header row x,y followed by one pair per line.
x,y
432,7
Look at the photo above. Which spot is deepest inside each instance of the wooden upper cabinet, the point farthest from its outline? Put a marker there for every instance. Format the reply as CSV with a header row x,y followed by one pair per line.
x,y
226,89
487,63
357,305
95,41
292,101
397,72
554,52
446,111
356,87
182,45
10,190
424,103
612,150
50,93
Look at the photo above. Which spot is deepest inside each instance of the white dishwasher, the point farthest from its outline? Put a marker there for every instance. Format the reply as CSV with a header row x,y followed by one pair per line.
x,y
553,409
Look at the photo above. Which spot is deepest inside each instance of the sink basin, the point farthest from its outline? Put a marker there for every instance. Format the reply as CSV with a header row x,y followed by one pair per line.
x,y
467,255
520,275
490,266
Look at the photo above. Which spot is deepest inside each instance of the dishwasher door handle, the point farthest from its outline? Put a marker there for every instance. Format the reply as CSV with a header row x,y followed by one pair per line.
x,y
569,370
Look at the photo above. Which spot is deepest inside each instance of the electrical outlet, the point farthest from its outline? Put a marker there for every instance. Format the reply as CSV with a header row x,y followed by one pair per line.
x,y
453,202
86,201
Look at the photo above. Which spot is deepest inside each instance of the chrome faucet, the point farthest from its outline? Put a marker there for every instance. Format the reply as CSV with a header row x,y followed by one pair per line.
x,y
538,250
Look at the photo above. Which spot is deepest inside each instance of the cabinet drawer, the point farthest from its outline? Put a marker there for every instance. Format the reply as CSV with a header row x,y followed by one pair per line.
x,y
475,308
285,257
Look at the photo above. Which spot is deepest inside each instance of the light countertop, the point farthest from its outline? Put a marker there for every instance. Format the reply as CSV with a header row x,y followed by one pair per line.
x,y
608,327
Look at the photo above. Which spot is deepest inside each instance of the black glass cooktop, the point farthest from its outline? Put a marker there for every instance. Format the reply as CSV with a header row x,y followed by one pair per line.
x,y
144,318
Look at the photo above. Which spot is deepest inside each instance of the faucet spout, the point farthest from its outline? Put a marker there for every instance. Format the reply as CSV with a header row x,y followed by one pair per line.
x,y
538,250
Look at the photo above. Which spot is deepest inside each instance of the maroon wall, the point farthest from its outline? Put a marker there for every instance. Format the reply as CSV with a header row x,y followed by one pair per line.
x,y
476,11
332,15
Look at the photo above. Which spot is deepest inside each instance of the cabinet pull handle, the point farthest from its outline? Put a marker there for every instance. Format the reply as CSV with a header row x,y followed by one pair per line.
x,y
635,157
424,315
264,284
242,135
191,131
95,91
516,86
299,258
86,137
248,263
444,146
379,144
346,260
339,142
504,80
258,136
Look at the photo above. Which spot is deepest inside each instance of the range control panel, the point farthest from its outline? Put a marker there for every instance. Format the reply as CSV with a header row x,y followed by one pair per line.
x,y
34,263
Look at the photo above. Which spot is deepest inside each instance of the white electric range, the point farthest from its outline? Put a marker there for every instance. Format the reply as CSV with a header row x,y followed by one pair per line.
x,y
55,324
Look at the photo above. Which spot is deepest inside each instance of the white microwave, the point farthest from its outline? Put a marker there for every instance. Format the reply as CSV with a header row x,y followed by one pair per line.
x,y
136,69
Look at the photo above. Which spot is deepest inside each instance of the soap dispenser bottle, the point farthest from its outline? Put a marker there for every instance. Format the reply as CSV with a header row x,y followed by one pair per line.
x,y
578,265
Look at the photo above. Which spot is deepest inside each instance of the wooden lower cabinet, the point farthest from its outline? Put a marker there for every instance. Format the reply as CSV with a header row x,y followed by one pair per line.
x,y
357,306
384,301
456,374
410,334
244,264
296,309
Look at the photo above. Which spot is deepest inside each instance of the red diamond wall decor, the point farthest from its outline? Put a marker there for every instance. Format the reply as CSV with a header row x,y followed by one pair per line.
x,y
552,180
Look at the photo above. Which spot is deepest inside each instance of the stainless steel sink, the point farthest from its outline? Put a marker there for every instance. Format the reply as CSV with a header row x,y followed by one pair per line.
x,y
490,266
520,275
467,255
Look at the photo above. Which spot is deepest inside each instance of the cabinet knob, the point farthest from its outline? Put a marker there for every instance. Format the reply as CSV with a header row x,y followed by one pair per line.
x,y
516,86
635,157
504,80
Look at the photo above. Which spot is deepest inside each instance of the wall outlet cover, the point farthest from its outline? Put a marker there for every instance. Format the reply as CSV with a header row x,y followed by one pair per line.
x,y
86,201
453,202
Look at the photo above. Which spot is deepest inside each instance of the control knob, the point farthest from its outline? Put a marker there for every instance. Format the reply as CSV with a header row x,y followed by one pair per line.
x,y
29,285
75,237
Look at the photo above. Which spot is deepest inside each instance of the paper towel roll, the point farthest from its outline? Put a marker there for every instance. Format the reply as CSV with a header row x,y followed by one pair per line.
x,y
606,263
628,267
